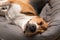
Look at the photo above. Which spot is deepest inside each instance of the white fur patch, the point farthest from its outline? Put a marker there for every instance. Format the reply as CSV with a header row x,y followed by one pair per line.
x,y
14,10
22,19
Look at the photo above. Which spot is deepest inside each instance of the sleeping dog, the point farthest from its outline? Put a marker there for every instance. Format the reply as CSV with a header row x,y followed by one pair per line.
x,y
23,14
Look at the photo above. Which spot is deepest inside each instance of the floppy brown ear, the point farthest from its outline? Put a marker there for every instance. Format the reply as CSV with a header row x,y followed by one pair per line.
x,y
27,8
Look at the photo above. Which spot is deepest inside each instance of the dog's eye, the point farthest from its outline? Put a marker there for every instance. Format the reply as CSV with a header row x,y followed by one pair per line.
x,y
41,23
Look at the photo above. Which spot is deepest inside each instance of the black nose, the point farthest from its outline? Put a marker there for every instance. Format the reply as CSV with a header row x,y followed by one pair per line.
x,y
31,27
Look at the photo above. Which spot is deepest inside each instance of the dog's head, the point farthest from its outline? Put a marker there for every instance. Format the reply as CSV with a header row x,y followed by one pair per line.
x,y
35,25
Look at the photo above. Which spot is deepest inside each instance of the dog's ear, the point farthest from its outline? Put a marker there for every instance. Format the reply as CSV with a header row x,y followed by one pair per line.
x,y
27,8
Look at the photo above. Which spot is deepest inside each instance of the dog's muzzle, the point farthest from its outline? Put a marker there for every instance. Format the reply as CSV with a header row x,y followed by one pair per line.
x,y
30,27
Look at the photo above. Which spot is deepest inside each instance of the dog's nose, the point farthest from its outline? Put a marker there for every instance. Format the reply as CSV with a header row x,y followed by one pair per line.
x,y
31,27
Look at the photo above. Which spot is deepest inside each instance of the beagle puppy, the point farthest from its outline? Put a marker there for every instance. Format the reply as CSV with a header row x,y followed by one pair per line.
x,y
22,13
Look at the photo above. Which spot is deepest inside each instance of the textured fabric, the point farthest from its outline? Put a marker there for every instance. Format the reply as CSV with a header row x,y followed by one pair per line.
x,y
51,13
